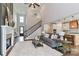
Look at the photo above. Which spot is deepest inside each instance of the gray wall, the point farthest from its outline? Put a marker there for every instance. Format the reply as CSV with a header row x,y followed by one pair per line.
x,y
0,28
55,11
2,13
1,23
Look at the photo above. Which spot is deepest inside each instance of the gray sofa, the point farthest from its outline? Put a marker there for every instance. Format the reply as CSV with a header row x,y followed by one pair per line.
x,y
53,43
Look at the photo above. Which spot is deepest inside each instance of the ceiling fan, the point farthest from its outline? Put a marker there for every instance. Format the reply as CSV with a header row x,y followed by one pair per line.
x,y
34,5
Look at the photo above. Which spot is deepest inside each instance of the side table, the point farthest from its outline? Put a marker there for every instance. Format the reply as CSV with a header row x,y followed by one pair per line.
x,y
66,46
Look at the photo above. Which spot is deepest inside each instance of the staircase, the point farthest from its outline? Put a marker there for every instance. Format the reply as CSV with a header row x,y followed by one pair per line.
x,y
31,30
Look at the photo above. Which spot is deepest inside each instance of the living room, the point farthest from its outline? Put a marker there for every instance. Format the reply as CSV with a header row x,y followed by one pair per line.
x,y
28,21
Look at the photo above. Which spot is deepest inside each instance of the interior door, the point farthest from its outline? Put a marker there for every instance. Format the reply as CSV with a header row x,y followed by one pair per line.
x,y
21,28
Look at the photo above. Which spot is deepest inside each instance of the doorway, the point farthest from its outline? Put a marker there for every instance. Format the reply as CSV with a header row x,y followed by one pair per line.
x,y
21,25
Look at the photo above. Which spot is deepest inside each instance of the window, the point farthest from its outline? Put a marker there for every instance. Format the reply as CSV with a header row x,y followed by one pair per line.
x,y
21,19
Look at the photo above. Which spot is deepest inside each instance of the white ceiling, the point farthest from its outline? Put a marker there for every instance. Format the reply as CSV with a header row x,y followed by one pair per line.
x,y
56,11
50,11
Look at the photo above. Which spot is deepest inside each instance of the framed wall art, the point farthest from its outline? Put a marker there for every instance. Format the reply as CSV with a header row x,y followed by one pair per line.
x,y
73,24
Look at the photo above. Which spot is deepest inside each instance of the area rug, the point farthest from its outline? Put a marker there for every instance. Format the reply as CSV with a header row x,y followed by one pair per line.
x,y
26,48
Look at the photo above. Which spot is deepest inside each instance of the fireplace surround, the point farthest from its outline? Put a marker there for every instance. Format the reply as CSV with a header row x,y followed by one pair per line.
x,y
7,39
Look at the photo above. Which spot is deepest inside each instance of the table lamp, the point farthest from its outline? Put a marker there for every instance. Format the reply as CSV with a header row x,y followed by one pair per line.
x,y
61,35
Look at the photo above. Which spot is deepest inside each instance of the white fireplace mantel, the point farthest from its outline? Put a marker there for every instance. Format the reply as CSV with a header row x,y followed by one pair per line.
x,y
5,31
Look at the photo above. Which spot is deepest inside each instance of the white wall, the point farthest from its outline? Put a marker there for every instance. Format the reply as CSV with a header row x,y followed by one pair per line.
x,y
34,34
31,18
56,11
21,8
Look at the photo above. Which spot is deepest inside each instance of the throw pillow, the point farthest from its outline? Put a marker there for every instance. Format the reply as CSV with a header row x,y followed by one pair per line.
x,y
54,36
46,35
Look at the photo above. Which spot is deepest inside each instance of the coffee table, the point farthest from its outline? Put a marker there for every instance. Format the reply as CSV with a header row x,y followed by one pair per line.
x,y
37,43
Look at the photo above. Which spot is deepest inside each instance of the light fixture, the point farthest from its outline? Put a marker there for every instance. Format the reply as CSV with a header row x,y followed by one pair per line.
x,y
34,5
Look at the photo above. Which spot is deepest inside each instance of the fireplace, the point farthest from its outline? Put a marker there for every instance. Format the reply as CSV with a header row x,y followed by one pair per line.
x,y
8,42
7,39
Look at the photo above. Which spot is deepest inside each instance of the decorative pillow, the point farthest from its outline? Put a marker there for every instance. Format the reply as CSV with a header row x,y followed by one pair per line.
x,y
54,36
46,35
